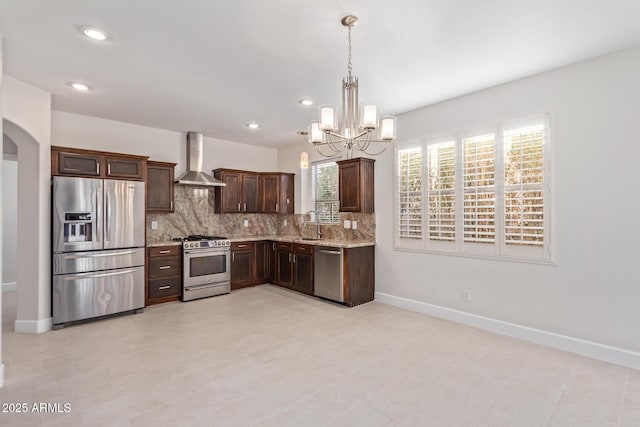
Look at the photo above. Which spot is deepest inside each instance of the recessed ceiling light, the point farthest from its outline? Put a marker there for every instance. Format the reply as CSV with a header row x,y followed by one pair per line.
x,y
94,33
306,102
252,125
80,87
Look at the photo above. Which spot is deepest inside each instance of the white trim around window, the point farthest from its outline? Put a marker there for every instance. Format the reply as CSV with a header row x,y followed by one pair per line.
x,y
482,192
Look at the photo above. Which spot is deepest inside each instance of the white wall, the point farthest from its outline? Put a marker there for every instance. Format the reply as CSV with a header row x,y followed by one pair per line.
x,y
74,130
9,220
27,122
1,228
593,292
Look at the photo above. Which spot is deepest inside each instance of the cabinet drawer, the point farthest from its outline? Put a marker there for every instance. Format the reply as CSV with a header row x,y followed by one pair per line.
x,y
165,251
242,245
283,246
164,267
164,287
305,249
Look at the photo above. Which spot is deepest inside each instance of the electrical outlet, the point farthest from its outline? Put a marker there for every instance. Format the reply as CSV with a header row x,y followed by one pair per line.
x,y
285,222
154,225
354,225
246,222
466,295
347,224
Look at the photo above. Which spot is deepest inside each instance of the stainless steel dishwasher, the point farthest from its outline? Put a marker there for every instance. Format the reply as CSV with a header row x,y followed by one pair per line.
x,y
328,277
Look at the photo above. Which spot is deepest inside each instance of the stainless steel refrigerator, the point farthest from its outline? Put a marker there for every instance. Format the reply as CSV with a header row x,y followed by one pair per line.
x,y
98,236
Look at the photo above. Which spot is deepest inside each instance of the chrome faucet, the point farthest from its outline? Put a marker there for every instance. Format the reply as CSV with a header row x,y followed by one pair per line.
x,y
318,232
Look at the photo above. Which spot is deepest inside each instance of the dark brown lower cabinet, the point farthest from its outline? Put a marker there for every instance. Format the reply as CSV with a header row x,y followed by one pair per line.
x,y
242,264
164,274
303,268
284,264
359,275
250,263
263,262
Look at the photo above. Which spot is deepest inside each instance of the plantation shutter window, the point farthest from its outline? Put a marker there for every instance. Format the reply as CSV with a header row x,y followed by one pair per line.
x,y
409,193
486,192
441,191
526,201
479,194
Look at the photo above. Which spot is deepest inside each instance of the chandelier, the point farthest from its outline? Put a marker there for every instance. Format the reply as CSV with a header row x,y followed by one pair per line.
x,y
359,123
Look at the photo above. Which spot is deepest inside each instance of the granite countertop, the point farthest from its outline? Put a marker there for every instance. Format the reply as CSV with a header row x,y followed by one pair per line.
x,y
288,239
165,243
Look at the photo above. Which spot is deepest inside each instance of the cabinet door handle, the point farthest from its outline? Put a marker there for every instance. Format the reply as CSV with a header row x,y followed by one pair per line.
x,y
238,206
109,169
289,257
242,246
245,207
276,207
294,258
162,288
98,168
171,205
164,252
164,267
233,257
274,246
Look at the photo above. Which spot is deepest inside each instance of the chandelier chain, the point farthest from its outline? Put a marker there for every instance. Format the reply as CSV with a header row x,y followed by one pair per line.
x,y
349,68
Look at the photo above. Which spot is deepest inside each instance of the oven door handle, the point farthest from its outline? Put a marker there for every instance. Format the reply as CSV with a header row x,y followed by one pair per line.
x,y
219,251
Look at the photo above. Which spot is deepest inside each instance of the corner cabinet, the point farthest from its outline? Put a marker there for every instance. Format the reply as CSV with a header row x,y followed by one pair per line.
x,y
276,193
356,185
240,195
160,195
242,264
250,263
67,161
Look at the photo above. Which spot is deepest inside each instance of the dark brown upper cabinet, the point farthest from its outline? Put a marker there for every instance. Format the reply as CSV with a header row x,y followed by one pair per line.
x,y
160,195
123,167
276,193
239,195
356,185
69,161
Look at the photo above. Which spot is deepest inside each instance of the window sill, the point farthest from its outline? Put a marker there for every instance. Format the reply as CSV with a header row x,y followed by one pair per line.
x,y
547,262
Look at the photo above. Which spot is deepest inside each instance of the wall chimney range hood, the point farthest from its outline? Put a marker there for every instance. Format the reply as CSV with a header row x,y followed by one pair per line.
x,y
194,174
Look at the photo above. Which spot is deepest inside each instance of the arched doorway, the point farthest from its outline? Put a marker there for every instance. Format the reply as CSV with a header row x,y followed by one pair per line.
x,y
9,230
33,291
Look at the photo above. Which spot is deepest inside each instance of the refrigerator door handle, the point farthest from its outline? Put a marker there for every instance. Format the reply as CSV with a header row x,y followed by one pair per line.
x,y
107,219
98,221
95,276
99,255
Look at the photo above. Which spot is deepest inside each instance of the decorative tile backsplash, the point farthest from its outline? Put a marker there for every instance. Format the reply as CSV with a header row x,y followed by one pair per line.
x,y
194,214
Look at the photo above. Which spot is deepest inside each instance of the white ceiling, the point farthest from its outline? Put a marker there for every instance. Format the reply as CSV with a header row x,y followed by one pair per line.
x,y
214,65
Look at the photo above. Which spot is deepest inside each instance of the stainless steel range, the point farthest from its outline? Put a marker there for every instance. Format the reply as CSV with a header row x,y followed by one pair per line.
x,y
206,266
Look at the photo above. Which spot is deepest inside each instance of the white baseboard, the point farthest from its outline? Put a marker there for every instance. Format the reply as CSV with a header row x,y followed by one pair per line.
x,y
9,286
33,326
591,349
1,374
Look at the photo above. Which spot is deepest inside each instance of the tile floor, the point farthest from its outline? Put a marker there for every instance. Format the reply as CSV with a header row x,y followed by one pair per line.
x,y
265,356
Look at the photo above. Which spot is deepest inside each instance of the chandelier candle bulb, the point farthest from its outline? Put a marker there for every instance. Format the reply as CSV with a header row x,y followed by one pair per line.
x,y
388,128
315,135
327,118
369,117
